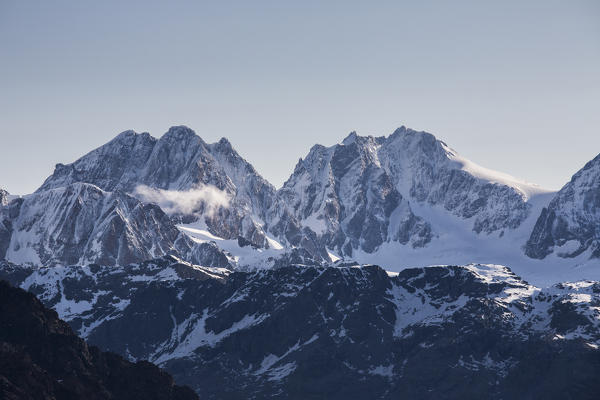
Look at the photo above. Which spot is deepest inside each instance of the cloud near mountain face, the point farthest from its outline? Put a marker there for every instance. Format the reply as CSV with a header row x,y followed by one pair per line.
x,y
204,197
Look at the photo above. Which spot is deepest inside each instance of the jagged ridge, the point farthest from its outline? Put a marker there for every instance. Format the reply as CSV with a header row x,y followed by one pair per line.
x,y
570,225
361,193
341,332
81,223
180,160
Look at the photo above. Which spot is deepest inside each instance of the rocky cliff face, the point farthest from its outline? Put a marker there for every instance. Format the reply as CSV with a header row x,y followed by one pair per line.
x,y
342,198
3,197
6,215
570,225
41,358
121,203
362,193
366,197
135,244
435,174
81,223
338,332
179,161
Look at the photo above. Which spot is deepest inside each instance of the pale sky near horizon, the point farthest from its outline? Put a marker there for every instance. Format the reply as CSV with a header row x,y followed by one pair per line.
x,y
512,85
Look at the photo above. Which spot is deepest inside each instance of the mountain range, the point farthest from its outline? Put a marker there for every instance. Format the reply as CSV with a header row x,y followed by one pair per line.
x,y
403,200
384,267
336,332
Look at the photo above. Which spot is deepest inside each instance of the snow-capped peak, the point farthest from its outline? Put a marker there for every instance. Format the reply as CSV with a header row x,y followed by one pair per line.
x,y
350,138
569,226
369,190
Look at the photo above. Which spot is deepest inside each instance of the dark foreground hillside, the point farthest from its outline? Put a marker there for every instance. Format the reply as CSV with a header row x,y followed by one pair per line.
x,y
41,358
339,332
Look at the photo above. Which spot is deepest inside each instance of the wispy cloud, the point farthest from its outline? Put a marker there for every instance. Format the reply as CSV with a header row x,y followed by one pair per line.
x,y
205,199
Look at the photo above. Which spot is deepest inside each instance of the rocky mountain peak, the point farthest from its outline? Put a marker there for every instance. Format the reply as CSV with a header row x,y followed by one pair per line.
x,y
128,135
360,194
3,197
179,160
404,146
418,145
125,141
591,171
365,195
181,134
351,138
108,165
224,143
570,225
342,197
399,131
132,168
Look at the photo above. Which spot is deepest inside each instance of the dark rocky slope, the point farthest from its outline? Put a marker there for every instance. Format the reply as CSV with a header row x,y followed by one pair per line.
x,y
342,332
41,358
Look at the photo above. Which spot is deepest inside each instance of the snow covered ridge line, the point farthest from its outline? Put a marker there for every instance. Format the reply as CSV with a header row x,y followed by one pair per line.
x,y
368,191
82,223
182,173
92,294
108,289
267,328
402,200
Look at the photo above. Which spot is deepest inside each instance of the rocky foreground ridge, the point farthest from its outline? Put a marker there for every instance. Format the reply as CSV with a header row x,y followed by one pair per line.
x,y
41,358
344,331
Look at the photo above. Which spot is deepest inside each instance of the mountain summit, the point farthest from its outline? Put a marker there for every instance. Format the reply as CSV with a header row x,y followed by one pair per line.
x,y
177,251
367,191
179,161
400,200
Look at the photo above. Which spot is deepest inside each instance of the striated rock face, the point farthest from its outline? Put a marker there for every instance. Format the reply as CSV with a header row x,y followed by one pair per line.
x,y
109,206
342,198
570,225
3,197
435,174
355,196
179,161
115,165
367,196
41,358
6,216
349,199
81,223
362,193
342,332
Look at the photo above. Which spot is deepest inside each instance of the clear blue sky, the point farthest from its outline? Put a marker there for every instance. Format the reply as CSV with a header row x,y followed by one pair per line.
x,y
512,85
